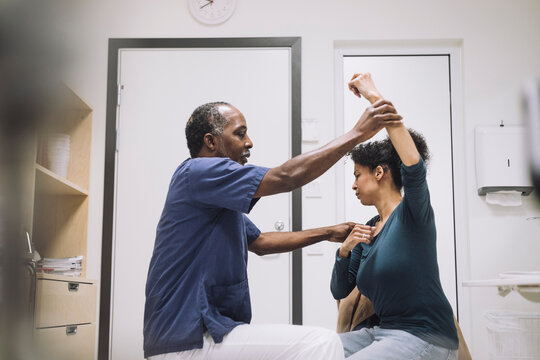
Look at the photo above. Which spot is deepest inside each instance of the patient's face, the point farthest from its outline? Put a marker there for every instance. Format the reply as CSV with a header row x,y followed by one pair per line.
x,y
365,184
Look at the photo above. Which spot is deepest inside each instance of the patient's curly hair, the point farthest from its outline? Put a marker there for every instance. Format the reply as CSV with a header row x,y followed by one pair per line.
x,y
205,119
383,153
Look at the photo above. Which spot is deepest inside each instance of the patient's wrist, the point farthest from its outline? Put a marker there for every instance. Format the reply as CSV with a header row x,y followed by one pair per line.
x,y
344,253
373,96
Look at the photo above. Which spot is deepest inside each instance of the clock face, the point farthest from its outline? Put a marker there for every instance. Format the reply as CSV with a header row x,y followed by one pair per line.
x,y
212,11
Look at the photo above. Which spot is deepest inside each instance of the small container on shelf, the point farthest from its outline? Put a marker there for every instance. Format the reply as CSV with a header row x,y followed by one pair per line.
x,y
58,153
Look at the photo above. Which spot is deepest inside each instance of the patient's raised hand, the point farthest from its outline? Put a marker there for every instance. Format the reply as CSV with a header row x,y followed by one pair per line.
x,y
362,84
360,233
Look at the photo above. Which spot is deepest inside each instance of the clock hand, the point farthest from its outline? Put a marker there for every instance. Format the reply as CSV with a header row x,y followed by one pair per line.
x,y
210,2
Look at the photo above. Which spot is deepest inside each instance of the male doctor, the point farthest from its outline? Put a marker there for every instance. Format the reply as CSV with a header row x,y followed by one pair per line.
x,y
197,294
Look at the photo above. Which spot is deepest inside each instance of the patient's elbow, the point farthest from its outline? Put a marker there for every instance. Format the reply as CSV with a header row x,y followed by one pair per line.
x,y
338,290
335,292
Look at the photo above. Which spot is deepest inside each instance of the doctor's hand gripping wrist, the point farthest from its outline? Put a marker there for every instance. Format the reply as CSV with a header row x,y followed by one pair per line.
x,y
376,117
360,233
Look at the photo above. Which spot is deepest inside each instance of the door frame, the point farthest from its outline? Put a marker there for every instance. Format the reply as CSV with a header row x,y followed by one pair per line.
x,y
115,45
452,49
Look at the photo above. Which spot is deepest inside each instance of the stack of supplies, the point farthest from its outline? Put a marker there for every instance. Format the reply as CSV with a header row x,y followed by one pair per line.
x,y
63,266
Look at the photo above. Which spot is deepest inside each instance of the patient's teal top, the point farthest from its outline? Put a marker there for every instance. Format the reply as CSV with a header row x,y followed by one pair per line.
x,y
399,272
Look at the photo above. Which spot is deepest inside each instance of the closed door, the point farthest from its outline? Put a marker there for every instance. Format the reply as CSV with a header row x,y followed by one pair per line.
x,y
159,90
419,88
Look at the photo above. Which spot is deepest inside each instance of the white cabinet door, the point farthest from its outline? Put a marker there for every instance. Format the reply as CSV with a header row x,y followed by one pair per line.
x,y
419,88
160,89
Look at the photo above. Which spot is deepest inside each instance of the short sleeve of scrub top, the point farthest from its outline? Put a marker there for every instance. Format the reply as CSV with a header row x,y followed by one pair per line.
x,y
223,183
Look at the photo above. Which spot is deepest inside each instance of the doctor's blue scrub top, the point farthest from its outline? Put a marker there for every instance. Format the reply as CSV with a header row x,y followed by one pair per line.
x,y
197,279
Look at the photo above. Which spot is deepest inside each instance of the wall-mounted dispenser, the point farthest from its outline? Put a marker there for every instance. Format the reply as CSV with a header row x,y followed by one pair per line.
x,y
501,161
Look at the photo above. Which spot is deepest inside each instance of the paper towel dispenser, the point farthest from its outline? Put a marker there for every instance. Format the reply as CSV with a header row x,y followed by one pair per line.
x,y
531,111
501,160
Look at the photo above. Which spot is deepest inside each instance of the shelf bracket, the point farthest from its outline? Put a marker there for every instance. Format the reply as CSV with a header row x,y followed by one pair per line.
x,y
504,290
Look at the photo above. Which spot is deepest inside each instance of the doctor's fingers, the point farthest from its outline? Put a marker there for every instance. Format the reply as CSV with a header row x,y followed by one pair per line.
x,y
383,106
362,233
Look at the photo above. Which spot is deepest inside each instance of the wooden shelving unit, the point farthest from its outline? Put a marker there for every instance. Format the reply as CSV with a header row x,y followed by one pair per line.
x,y
60,215
64,322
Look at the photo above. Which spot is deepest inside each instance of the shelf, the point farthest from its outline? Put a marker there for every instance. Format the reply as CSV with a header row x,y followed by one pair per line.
x,y
526,286
74,101
71,104
78,279
50,183
532,281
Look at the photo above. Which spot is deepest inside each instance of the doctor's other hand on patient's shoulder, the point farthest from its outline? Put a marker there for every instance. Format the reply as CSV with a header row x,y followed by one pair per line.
x,y
360,233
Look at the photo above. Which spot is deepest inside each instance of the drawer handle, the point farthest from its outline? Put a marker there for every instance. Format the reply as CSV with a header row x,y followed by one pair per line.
x,y
71,330
73,286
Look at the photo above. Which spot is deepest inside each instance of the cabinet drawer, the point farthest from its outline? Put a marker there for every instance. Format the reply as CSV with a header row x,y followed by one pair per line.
x,y
66,342
60,303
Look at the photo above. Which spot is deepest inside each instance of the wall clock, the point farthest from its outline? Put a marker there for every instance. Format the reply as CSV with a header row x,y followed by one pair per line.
x,y
211,11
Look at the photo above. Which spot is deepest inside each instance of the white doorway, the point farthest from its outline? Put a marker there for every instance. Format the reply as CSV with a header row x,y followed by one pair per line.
x,y
419,83
159,88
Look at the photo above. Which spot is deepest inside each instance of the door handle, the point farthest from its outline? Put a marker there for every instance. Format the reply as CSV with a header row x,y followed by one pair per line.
x,y
73,286
279,225
71,330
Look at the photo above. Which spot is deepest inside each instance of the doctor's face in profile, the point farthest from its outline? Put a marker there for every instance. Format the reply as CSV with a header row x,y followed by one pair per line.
x,y
234,141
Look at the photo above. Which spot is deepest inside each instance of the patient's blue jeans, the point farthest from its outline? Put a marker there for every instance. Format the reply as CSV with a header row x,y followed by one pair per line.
x,y
387,344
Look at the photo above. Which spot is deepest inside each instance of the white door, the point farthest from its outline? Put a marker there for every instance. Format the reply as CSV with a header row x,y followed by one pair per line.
x,y
160,89
419,88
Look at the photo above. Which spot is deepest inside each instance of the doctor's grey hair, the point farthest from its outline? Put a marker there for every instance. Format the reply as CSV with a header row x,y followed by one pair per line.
x,y
205,119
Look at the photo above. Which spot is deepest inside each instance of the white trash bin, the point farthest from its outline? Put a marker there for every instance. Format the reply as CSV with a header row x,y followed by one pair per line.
x,y
513,335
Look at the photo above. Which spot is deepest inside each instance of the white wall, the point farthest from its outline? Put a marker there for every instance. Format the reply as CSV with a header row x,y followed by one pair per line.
x,y
500,48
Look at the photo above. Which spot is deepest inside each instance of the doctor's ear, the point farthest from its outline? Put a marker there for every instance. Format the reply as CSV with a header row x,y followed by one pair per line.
x,y
209,141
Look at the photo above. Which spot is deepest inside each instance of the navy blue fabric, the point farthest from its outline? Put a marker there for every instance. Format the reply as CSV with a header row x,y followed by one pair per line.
x,y
197,279
399,272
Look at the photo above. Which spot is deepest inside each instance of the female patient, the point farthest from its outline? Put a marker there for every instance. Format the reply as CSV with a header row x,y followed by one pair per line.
x,y
393,258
